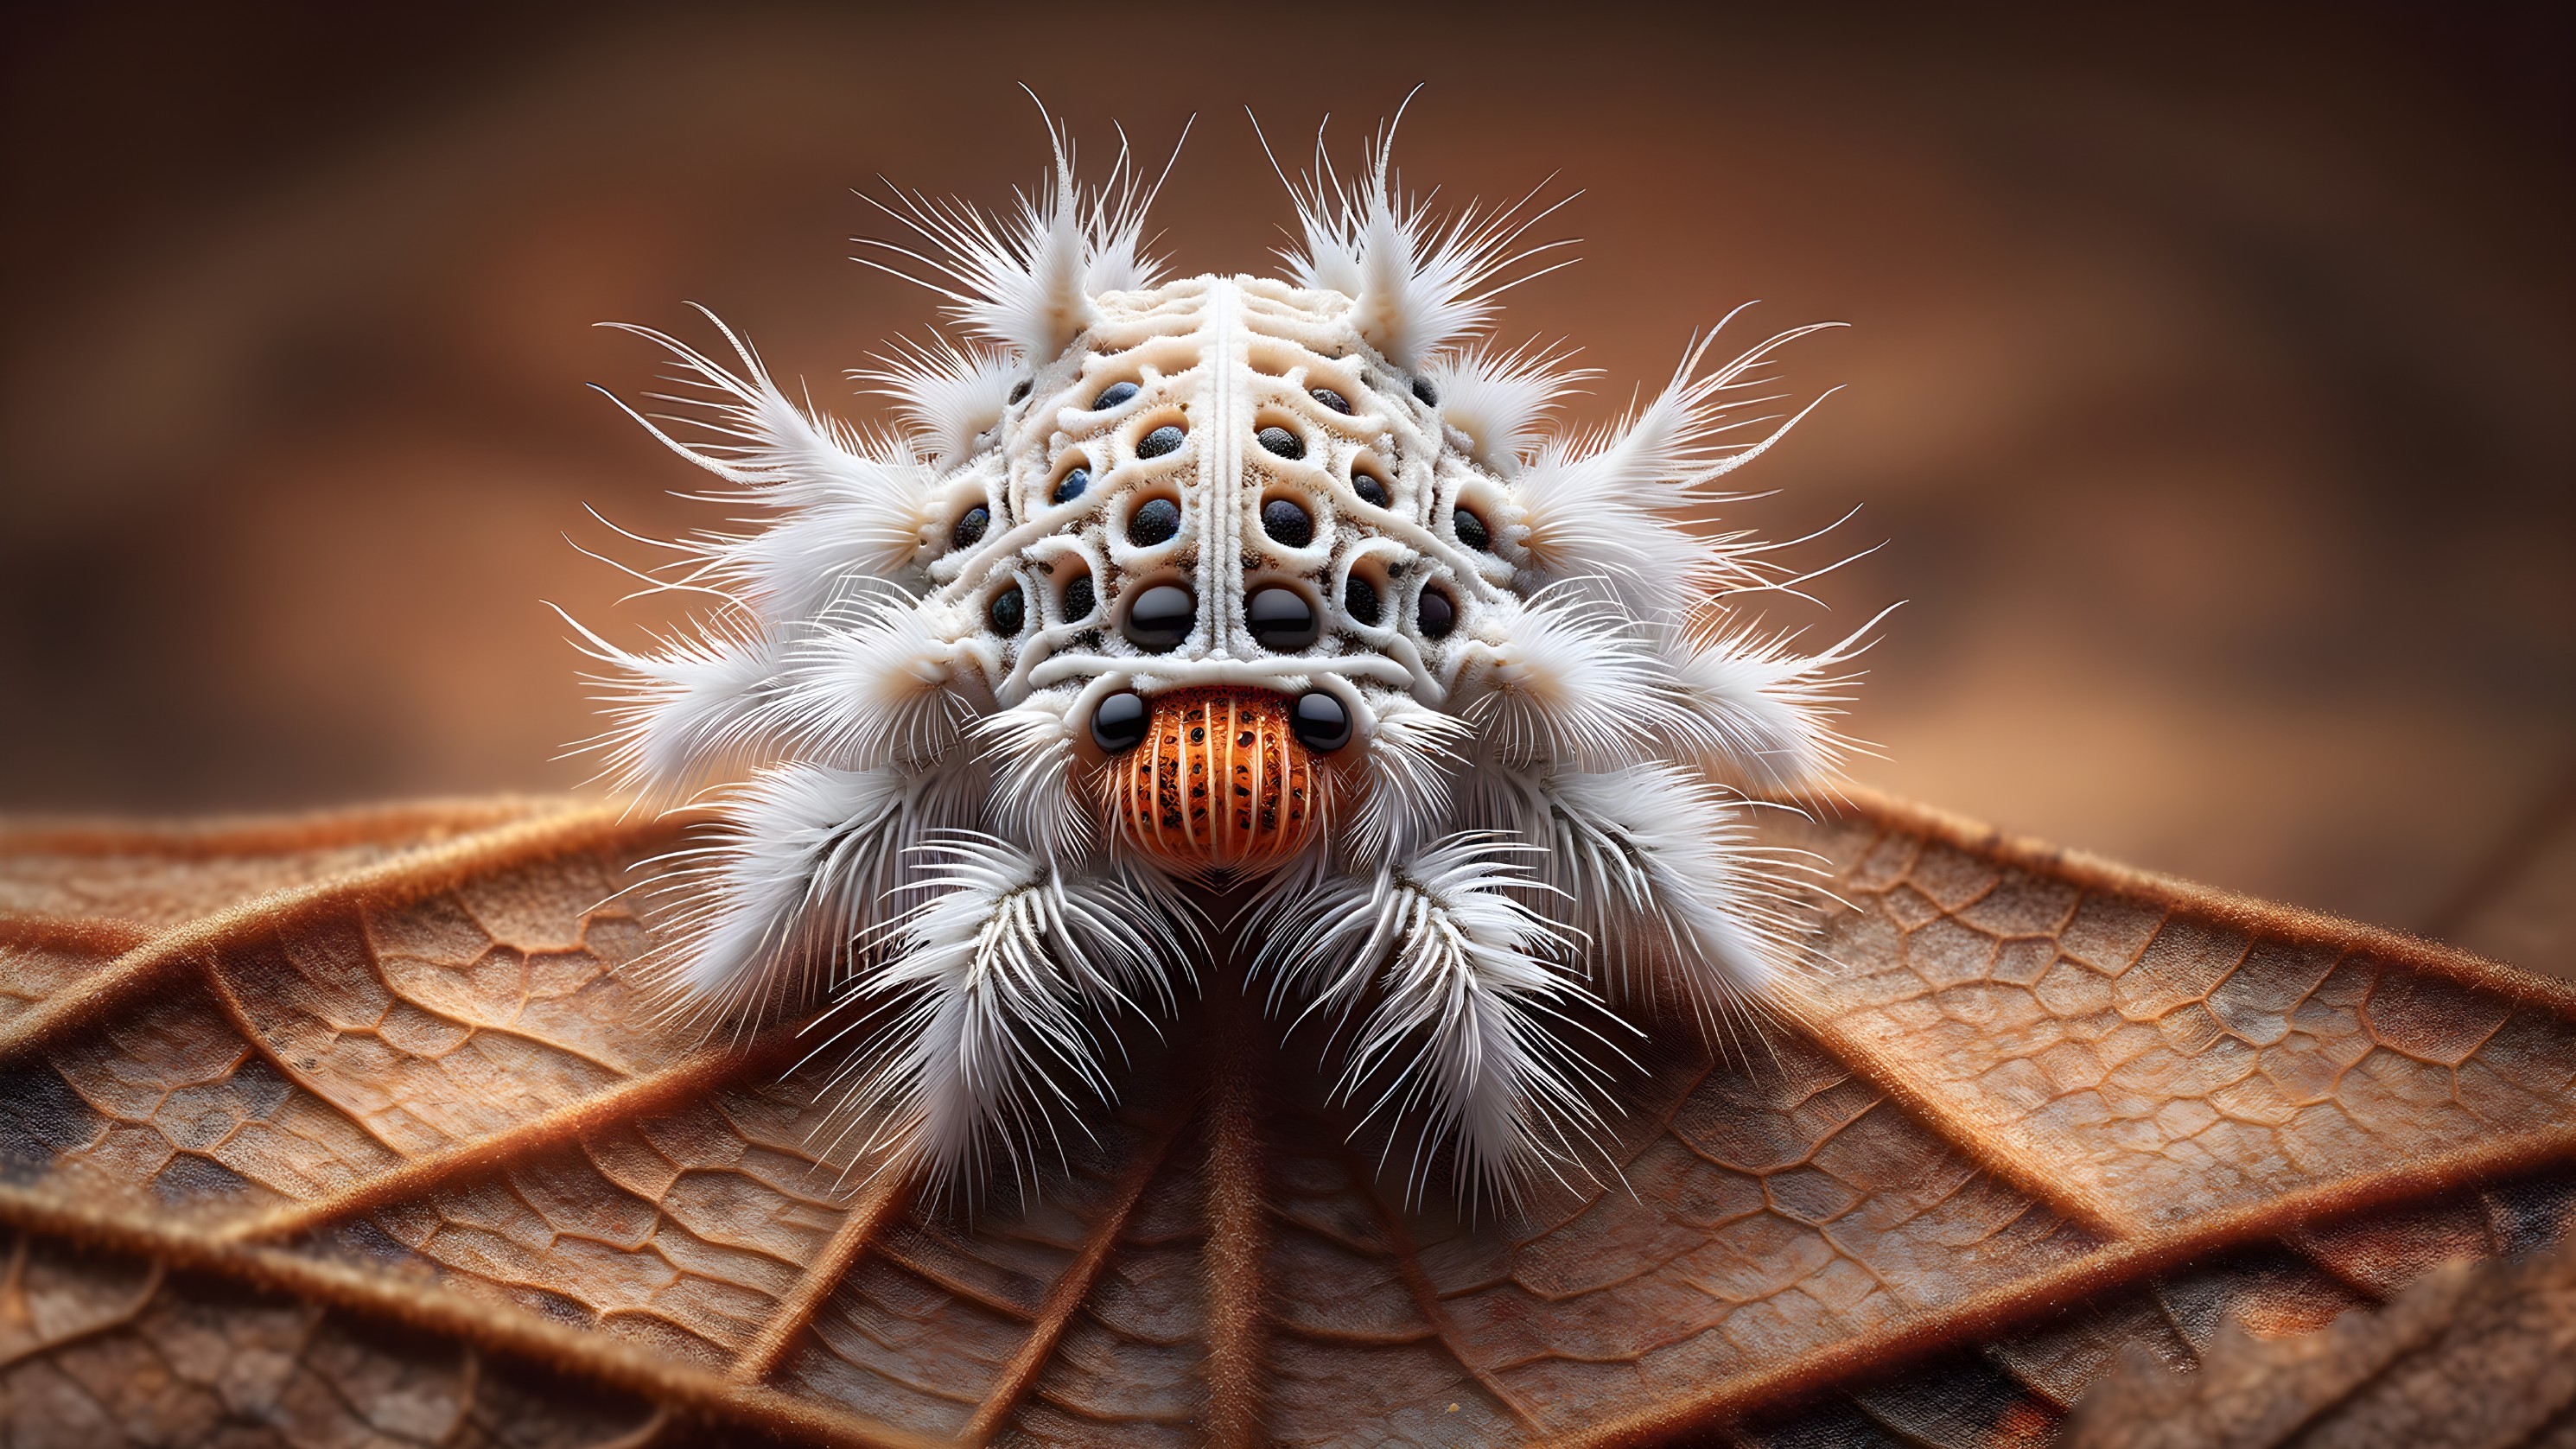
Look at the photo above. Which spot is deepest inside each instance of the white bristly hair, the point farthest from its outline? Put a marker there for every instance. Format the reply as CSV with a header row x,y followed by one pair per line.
x,y
949,396
1570,679
991,995
1502,400
1535,712
1471,1027
1028,283
1601,505
874,689
1656,846
1417,282
1031,751
1757,714
1409,760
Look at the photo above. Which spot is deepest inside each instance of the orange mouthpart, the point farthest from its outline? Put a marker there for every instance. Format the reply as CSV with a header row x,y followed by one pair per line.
x,y
1218,783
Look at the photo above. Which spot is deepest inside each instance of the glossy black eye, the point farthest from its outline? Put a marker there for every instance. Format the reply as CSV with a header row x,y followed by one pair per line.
x,y
1371,489
1435,614
1112,395
1286,523
1280,619
1161,618
1331,399
1281,442
970,527
1071,486
1165,439
1471,531
1008,611
1020,391
1359,599
1154,521
1118,722
1080,598
1320,722
1423,389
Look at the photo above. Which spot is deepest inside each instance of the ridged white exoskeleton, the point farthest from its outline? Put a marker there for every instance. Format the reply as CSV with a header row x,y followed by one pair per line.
x,y
1162,584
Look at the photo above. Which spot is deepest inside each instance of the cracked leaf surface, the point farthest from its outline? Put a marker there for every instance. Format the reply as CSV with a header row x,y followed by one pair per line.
x,y
401,1155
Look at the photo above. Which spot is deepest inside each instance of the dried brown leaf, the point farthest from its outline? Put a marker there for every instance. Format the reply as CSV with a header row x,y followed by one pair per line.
x,y
2477,1356
395,1153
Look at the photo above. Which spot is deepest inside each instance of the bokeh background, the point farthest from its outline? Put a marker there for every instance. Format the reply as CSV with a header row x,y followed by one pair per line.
x,y
2209,382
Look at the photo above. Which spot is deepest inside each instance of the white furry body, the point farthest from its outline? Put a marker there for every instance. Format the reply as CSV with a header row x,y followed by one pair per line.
x,y
1536,818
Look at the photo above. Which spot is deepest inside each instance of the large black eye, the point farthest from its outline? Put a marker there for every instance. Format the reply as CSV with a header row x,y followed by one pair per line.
x,y
1371,489
1071,486
1471,531
1008,611
1435,614
1423,389
1080,598
1286,523
1154,521
1280,619
970,527
1320,722
1331,399
1281,442
1118,722
1160,618
1112,395
1359,597
1165,439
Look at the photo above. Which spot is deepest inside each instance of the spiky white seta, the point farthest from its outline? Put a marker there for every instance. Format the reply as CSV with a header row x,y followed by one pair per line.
x,y
1471,1027
949,396
1571,678
1502,400
1417,281
1027,282
1602,506
981,1022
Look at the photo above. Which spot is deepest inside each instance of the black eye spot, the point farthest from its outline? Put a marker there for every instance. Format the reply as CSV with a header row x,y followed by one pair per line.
x,y
1153,522
1435,614
1071,486
1471,531
1372,490
1280,619
1008,611
1286,523
1331,399
1320,722
1161,618
1359,598
1080,598
1165,439
1020,391
1429,395
1118,722
1282,442
1198,733
970,527
1112,395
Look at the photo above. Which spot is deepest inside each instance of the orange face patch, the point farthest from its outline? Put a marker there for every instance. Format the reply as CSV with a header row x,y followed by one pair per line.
x,y
1219,783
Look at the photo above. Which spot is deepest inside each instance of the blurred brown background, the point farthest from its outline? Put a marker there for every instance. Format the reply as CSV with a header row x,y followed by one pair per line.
x,y
2210,381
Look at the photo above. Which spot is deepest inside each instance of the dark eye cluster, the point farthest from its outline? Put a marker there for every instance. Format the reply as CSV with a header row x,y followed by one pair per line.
x,y
1281,617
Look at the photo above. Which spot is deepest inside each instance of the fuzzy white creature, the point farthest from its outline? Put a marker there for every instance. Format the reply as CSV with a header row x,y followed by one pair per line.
x,y
1172,583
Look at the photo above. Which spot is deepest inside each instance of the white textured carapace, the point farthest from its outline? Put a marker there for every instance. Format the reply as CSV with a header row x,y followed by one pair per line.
x,y
1523,702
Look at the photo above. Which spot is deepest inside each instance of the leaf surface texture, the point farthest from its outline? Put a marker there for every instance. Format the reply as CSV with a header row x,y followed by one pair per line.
x,y
361,1129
